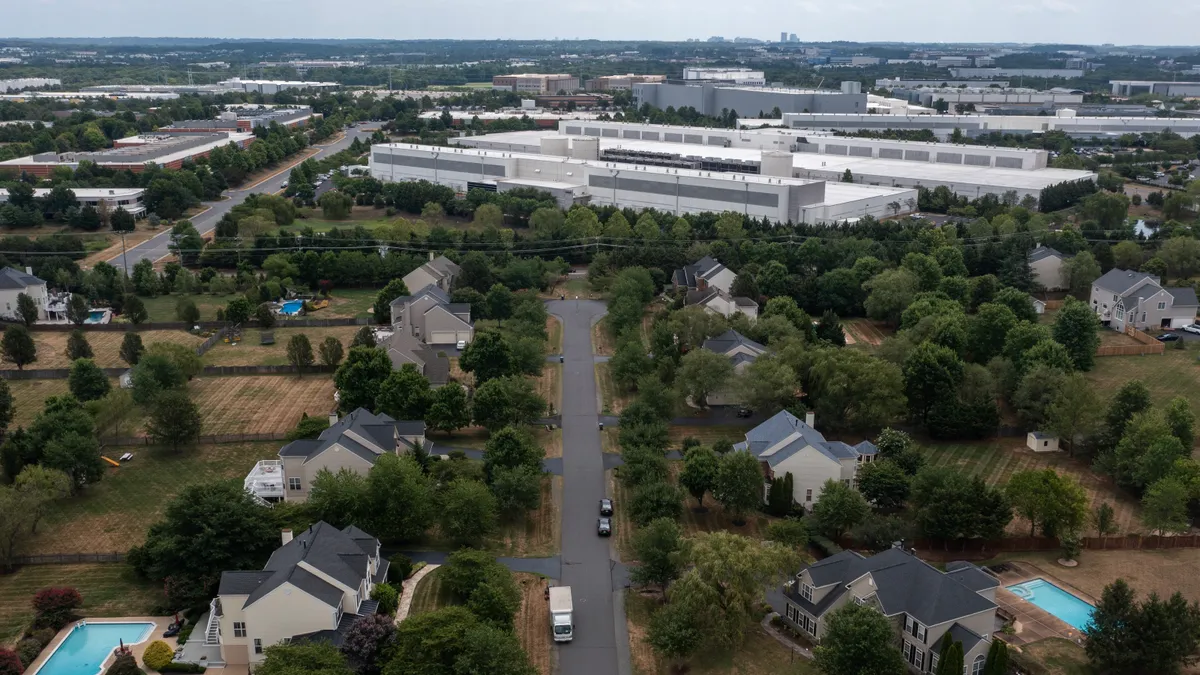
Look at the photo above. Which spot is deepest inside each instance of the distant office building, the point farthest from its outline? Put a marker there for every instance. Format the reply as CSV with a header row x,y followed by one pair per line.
x,y
1159,88
793,38
929,96
621,82
984,61
129,199
943,126
536,83
274,86
580,100
742,76
783,36
168,151
712,98
23,83
954,61
246,119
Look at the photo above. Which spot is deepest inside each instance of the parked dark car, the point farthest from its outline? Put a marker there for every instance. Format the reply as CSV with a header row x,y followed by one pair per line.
x,y
606,508
744,412
1168,337
604,527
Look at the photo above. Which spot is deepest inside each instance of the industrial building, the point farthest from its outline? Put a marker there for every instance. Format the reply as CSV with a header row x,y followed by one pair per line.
x,y
1158,88
132,89
572,171
22,83
989,95
543,119
968,170
536,83
247,119
713,98
275,86
971,73
739,76
943,126
168,151
893,82
620,82
129,199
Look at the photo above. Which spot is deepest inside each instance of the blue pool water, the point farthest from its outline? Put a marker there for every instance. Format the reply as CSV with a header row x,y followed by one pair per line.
x,y
292,307
95,316
1047,596
89,644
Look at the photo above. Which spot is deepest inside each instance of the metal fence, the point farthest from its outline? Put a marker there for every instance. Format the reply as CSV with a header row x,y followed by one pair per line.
x,y
986,548
212,371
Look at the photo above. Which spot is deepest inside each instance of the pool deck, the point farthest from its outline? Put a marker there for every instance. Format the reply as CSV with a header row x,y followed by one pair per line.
x,y
160,626
1033,623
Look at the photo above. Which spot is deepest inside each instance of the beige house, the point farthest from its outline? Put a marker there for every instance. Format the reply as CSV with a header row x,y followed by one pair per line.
x,y
924,604
404,349
429,316
1123,298
314,587
354,442
709,284
1048,268
439,271
742,351
14,282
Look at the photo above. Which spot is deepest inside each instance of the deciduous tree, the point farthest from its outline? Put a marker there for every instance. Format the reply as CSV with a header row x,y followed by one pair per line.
x,y
86,381
699,475
300,353
17,346
174,419
739,484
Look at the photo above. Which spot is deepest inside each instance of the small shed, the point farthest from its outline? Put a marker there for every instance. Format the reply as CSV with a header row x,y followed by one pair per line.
x,y
1039,441
1039,306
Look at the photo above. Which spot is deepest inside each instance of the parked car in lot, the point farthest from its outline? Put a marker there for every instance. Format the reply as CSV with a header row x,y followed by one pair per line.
x,y
1194,328
1168,337
606,507
604,527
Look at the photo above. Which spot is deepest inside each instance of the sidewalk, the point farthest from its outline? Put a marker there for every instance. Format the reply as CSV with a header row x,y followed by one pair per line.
x,y
409,589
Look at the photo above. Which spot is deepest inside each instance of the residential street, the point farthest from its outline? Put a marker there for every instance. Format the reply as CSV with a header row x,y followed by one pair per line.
x,y
586,560
156,248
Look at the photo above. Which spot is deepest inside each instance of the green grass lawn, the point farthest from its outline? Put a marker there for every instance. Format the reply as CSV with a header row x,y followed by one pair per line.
x,y
162,307
430,594
114,514
349,302
108,589
1057,656
1174,373
321,225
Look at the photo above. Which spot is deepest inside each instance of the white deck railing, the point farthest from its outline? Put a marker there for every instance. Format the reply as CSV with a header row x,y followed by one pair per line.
x,y
266,479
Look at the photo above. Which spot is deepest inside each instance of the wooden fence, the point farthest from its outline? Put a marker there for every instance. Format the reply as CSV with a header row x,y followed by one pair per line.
x,y
212,371
122,441
1148,345
299,322
68,558
980,549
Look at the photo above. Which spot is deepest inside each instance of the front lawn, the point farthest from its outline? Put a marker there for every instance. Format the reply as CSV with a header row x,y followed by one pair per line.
x,y
430,594
1176,372
108,590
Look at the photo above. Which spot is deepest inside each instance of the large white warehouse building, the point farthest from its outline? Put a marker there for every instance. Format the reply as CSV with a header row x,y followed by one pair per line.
x,y
968,170
569,169
976,125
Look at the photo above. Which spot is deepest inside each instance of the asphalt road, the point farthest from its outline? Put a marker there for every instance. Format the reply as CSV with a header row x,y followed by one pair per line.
x,y
156,247
587,565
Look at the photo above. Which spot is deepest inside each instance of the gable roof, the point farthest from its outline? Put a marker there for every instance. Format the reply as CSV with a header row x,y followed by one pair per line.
x,y
1043,252
403,348
12,278
906,584
340,554
443,265
1121,281
704,268
428,290
784,425
730,339
362,432
1183,297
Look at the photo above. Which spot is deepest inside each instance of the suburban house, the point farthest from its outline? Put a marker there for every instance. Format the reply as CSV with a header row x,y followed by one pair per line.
x,y
354,442
709,284
429,316
1122,299
439,271
742,351
924,604
314,587
783,444
403,348
14,282
1048,269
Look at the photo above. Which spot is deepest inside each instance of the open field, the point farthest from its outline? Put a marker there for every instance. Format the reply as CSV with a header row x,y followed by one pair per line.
x,y
29,397
251,352
1173,373
106,346
429,594
708,434
996,461
612,400
536,534
108,589
760,654
1111,338
260,404
532,622
113,515
865,332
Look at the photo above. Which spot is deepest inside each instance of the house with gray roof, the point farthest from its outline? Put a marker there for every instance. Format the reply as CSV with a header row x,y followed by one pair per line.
x,y
354,442
784,444
1048,268
1123,298
925,605
709,284
316,584
404,349
439,271
14,282
429,316
742,351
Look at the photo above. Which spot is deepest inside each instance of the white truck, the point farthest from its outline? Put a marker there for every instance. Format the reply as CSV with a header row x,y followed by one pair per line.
x,y
562,618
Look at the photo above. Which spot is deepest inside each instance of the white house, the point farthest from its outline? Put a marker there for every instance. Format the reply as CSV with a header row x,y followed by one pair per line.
x,y
709,284
783,444
1124,298
14,282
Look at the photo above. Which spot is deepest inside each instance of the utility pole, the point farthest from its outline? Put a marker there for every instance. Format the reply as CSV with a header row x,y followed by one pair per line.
x,y
124,260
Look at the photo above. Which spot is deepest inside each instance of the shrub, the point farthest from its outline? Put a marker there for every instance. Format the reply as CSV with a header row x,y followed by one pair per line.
x,y
28,650
158,655
789,532
124,664
56,606
10,663
401,566
388,598
824,545
43,635
173,667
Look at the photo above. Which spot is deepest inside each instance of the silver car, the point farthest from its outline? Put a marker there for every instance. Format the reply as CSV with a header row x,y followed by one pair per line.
x,y
1193,328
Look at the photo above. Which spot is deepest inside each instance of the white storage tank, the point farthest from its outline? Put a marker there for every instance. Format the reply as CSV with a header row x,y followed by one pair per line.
x,y
585,147
775,163
557,146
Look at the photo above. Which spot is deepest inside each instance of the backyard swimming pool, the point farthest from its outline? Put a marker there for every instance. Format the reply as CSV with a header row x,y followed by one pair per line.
x,y
1061,604
89,644
291,307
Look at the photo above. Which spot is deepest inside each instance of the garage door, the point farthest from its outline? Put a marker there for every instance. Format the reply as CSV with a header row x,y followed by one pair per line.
x,y
464,335
442,337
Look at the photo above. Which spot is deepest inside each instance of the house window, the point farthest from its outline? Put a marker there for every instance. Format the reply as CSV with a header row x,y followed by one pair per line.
x,y
915,629
810,625
1162,305
913,655
257,645
1143,317
934,657
808,495
806,592
1120,314
977,666
293,483
792,613
239,629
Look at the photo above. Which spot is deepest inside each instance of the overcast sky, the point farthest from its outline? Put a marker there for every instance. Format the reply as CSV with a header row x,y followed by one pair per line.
x,y
1154,22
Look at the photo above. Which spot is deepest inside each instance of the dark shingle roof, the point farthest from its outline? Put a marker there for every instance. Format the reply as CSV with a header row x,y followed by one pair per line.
x,y
726,341
241,583
354,432
314,586
12,278
338,554
958,633
1184,297
1043,252
686,275
971,576
1120,281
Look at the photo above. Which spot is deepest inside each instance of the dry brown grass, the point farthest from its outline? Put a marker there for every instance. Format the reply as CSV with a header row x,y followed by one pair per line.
x,y
714,517
532,623
612,400
260,404
548,385
535,535
708,434
623,526
1111,338
602,339
106,346
997,461
251,352
459,375
555,332
1059,657
866,331
1162,571
29,397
